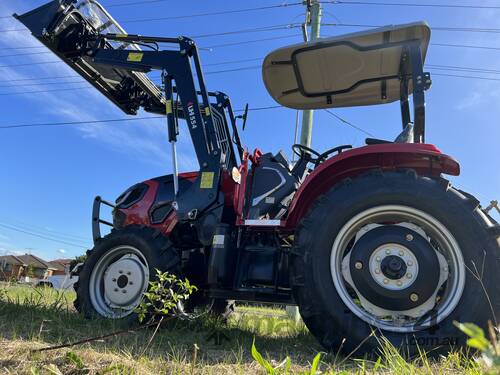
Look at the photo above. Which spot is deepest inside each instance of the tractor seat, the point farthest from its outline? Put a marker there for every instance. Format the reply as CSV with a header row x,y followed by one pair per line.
x,y
272,187
406,136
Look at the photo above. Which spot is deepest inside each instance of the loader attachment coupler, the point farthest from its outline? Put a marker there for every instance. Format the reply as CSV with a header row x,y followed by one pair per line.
x,y
90,41
71,31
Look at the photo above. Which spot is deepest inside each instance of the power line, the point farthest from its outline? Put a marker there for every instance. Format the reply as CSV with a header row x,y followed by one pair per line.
x,y
462,76
437,67
233,11
41,236
202,47
77,76
39,78
463,68
39,229
234,70
223,33
26,47
434,28
465,46
230,44
90,122
45,91
33,63
88,87
260,108
40,83
235,61
249,30
260,40
206,14
293,25
412,5
26,54
344,121
13,30
116,5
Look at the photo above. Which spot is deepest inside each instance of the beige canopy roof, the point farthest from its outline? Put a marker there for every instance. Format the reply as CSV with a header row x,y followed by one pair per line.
x,y
350,70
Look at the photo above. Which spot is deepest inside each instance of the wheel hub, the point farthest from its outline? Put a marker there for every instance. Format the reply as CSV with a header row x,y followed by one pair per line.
x,y
124,281
392,276
393,267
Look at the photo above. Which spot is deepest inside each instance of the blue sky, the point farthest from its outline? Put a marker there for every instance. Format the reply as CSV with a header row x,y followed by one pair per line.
x,y
49,176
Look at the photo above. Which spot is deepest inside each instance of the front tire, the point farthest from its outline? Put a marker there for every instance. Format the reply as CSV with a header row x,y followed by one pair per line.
x,y
118,270
398,255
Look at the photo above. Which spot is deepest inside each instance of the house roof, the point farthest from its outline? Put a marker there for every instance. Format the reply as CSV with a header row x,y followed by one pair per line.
x,y
11,259
57,265
32,260
63,261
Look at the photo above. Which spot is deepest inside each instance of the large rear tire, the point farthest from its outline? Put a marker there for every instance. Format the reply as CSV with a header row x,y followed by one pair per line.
x,y
398,255
118,270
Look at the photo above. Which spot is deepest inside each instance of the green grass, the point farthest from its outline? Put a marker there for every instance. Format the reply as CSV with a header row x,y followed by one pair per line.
x,y
33,318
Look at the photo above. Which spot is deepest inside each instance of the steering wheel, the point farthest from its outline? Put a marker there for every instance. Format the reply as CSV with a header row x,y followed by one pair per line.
x,y
306,152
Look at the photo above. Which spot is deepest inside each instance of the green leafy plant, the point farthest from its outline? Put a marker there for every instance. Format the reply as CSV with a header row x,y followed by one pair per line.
x,y
165,295
490,349
284,366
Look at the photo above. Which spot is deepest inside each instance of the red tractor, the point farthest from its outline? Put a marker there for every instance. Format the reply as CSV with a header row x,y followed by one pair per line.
x,y
364,240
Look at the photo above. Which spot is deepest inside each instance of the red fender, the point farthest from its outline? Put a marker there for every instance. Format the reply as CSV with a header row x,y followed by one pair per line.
x,y
425,159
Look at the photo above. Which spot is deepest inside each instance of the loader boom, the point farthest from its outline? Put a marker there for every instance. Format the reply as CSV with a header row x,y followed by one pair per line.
x,y
116,65
176,67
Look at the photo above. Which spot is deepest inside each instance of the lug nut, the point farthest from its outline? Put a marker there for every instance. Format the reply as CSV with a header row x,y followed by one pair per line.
x,y
124,291
116,289
410,263
388,251
409,276
358,265
130,283
120,271
409,237
399,283
114,279
377,271
378,259
401,253
414,297
386,281
129,273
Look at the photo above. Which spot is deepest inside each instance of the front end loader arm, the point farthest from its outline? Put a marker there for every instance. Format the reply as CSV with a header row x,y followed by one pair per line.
x,y
90,41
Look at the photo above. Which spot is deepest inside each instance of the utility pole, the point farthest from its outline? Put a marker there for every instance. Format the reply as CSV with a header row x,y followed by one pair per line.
x,y
313,18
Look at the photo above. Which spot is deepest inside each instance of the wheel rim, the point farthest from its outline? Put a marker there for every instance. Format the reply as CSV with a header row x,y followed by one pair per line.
x,y
451,267
118,282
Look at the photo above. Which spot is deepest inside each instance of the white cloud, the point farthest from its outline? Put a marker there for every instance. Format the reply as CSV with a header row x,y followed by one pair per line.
x,y
61,251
